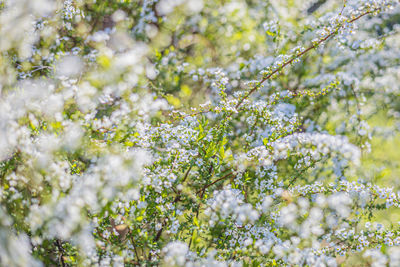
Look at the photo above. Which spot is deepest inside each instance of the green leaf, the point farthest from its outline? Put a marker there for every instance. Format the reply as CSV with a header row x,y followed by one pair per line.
x,y
222,152
195,221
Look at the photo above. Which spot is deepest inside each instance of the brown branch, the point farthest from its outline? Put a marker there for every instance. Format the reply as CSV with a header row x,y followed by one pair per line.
x,y
344,6
216,181
135,249
177,198
186,174
278,69
61,251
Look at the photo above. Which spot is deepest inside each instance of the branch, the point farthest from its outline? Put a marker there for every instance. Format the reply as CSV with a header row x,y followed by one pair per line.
x,y
176,199
216,181
61,251
278,69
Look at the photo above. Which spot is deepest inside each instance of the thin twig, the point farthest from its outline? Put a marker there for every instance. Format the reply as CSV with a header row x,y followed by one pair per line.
x,y
61,251
216,181
177,198
134,247
278,69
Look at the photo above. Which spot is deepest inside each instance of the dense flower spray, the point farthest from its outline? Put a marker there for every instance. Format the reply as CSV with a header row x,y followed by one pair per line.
x,y
195,133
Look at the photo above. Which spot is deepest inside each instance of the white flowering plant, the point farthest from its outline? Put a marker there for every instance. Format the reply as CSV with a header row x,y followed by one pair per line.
x,y
196,133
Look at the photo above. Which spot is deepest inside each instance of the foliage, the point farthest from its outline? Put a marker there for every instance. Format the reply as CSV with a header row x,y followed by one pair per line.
x,y
195,133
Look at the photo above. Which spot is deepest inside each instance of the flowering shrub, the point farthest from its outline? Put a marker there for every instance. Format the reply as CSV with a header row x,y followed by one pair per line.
x,y
195,133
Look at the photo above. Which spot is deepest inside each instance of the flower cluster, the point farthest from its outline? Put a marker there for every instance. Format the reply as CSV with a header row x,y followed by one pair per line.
x,y
197,133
